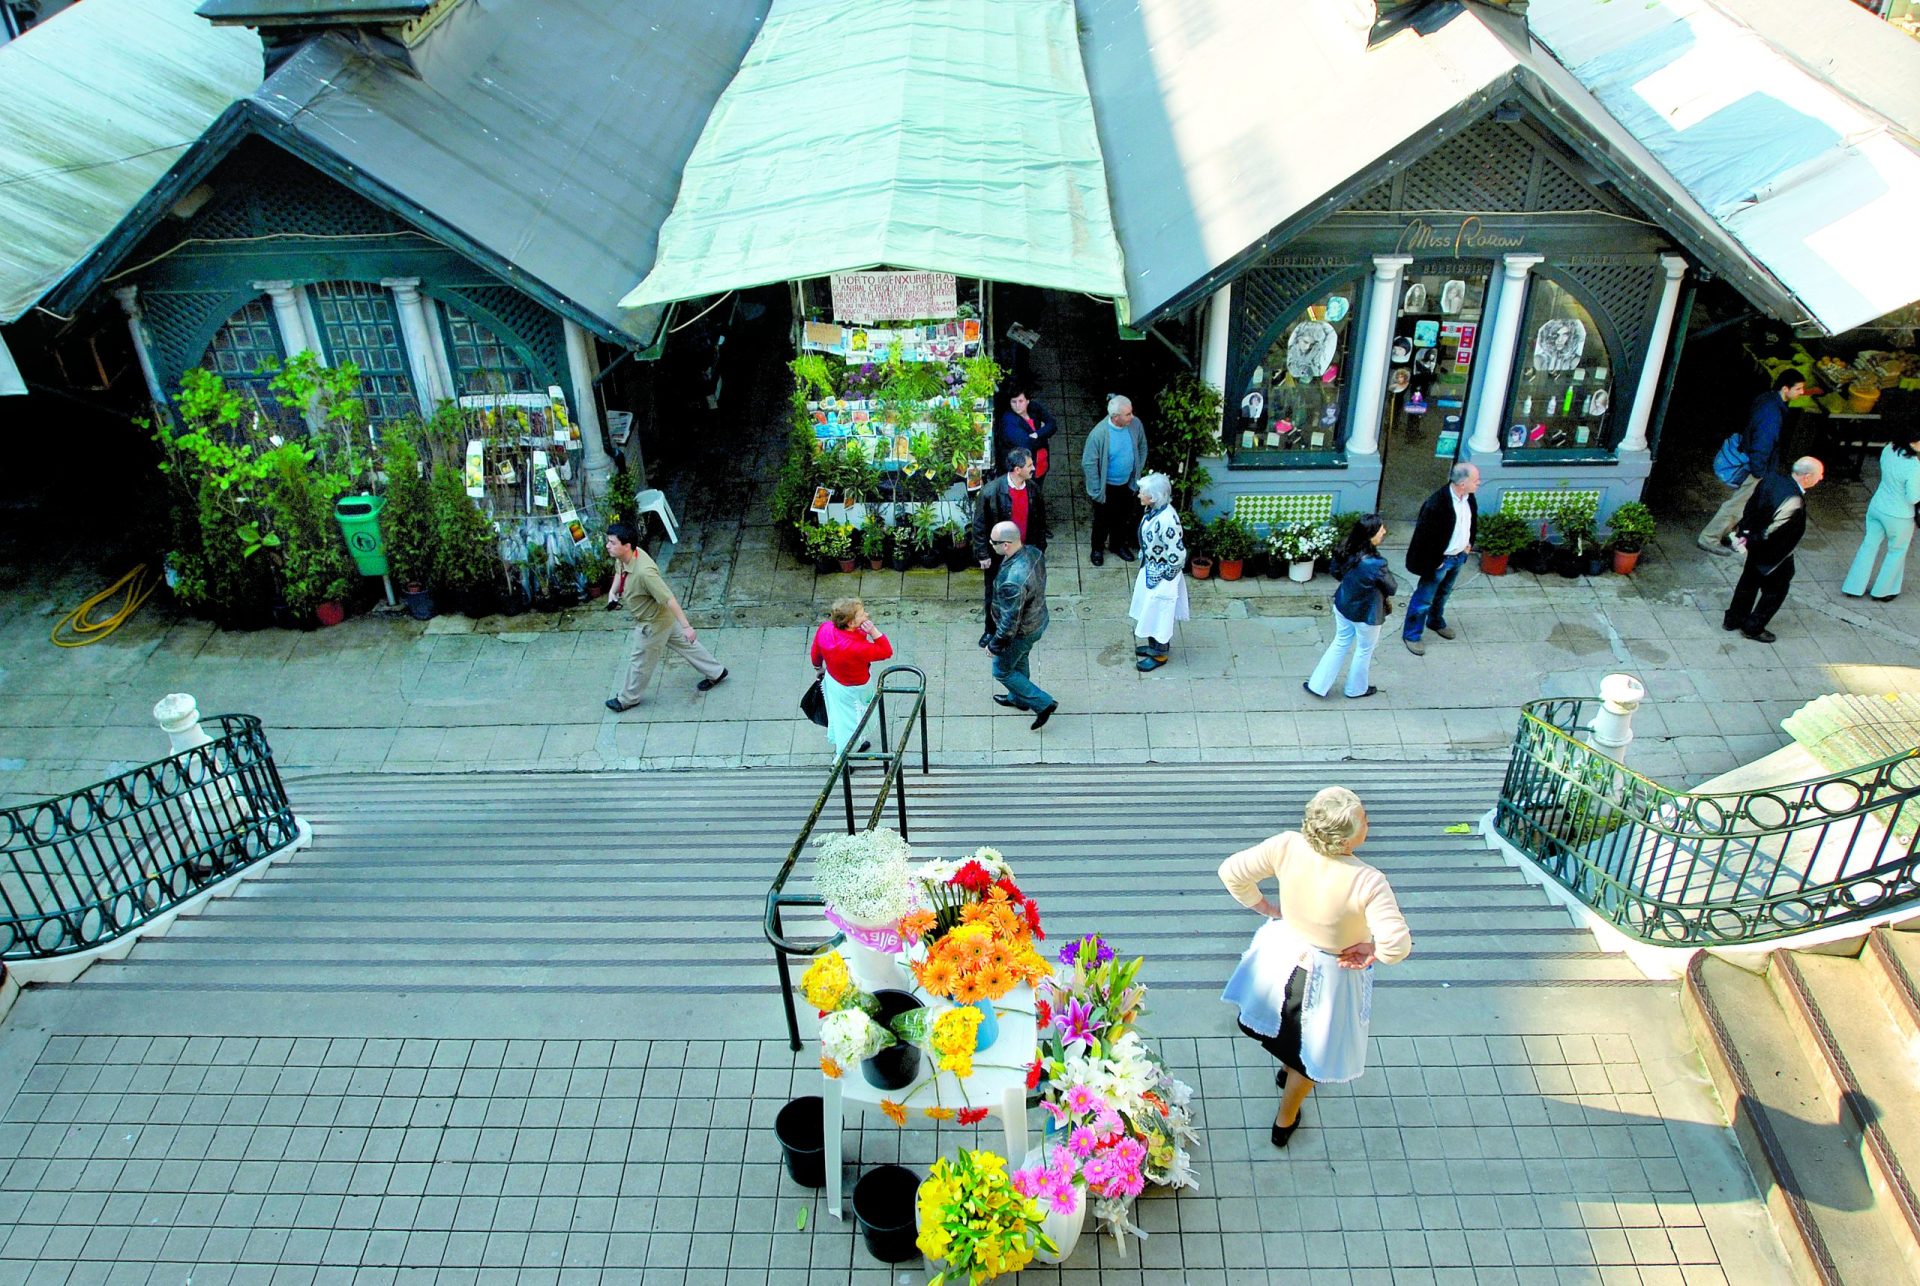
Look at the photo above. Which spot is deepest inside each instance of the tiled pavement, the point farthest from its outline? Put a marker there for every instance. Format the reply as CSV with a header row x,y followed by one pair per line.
x,y
279,1160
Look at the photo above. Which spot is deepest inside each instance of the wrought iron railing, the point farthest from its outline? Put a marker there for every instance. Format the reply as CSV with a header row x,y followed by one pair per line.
x,y
83,869
903,683
1684,869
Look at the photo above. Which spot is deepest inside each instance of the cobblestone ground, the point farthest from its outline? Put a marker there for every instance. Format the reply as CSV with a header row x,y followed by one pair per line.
x,y
1574,1158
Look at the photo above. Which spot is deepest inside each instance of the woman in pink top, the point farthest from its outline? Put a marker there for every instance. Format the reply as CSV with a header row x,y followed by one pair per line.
x,y
1305,986
844,649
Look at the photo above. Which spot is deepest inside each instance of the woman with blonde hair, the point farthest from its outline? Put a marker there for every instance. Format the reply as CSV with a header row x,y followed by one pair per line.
x,y
843,652
1304,988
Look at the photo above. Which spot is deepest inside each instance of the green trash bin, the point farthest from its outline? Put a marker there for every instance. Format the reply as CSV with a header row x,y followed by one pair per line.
x,y
359,519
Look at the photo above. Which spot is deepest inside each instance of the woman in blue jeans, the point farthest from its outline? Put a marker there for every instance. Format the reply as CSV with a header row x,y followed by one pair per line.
x,y
1359,605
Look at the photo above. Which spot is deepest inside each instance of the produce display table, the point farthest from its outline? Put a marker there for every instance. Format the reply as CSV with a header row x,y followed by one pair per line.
x,y
998,1083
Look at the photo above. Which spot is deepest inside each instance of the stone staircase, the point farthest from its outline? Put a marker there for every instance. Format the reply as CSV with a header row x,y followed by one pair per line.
x,y
630,905
1817,1062
1843,731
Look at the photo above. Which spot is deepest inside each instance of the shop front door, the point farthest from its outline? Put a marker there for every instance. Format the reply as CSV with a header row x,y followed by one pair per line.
x,y
1424,414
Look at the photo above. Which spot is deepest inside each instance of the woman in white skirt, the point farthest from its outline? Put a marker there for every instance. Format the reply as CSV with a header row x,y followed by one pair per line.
x,y
1305,986
1160,588
843,652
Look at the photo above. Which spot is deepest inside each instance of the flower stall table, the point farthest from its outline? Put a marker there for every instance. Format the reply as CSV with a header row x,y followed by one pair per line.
x,y
1002,1090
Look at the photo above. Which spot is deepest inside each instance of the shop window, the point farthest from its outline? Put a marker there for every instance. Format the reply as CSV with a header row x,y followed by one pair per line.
x,y
1436,334
358,324
1292,409
243,352
1562,401
482,363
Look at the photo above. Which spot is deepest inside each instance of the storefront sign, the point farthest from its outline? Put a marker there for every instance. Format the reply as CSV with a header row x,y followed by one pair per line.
x,y
1468,234
894,296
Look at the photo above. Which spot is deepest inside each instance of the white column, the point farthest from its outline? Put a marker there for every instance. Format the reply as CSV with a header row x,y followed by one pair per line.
x,y
1635,437
1498,350
178,715
294,336
586,406
1620,696
1370,383
431,385
136,326
1213,352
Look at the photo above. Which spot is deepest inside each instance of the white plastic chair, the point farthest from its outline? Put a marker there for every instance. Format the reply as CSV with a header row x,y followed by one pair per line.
x,y
654,502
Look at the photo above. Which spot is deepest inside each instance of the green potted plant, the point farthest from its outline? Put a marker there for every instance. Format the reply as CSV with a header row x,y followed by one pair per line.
x,y
1580,553
954,546
466,547
921,526
1199,545
1296,545
1186,429
1630,528
873,541
1499,537
836,545
1232,543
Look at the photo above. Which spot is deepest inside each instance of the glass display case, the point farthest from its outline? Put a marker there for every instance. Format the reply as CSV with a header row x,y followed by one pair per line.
x,y
1562,400
1436,332
1290,412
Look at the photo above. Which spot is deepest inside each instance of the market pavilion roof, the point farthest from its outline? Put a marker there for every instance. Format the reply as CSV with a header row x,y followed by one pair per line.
x,y
1760,166
96,103
941,135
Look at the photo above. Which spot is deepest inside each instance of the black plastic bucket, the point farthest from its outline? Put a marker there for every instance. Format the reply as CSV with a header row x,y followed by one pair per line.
x,y
803,1141
894,1067
883,1204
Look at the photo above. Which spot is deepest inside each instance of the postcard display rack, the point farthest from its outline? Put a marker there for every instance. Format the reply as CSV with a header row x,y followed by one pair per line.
x,y
522,465
878,316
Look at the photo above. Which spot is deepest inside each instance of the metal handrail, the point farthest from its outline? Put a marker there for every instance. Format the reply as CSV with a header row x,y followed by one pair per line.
x,y
1687,868
82,869
891,758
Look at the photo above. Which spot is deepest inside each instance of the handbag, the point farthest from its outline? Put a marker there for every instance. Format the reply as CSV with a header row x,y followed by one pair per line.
x,y
1730,463
813,703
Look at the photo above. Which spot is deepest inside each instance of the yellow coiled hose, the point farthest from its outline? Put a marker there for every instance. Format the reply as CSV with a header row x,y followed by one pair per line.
x,y
78,628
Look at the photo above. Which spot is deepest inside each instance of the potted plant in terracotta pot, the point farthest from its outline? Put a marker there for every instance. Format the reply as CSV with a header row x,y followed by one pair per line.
x,y
1233,543
1630,528
1499,537
1580,541
836,543
873,541
1199,546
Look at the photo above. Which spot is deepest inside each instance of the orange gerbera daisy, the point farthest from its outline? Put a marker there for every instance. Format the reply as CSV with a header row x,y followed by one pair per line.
x,y
831,1068
915,924
968,989
896,1112
939,977
996,981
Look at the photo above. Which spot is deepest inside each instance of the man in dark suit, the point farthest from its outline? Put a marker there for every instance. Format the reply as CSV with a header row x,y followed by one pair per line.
x,y
1769,531
1013,497
1442,539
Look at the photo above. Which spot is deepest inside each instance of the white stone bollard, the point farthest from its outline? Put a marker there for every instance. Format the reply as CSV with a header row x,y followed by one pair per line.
x,y
178,715
1620,696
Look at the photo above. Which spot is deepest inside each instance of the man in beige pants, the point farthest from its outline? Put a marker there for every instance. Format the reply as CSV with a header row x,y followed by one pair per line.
x,y
639,588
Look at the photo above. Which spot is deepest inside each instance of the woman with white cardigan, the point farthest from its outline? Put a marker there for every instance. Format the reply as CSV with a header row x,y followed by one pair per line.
x,y
1305,986
1160,586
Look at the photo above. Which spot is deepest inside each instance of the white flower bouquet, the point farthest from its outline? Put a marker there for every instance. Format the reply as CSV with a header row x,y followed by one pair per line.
x,y
848,1037
866,878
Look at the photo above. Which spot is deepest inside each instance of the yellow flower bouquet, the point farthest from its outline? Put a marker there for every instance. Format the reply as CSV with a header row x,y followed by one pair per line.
x,y
975,1221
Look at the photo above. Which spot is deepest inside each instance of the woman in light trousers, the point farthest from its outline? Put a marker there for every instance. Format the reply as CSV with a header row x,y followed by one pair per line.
x,y
1359,606
1891,516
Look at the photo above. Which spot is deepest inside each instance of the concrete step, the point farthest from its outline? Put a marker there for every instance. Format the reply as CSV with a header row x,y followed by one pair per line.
x,y
635,900
1864,1064
1893,959
1807,1165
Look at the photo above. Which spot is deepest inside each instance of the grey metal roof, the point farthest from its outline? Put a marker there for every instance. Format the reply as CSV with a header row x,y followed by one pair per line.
x,y
548,133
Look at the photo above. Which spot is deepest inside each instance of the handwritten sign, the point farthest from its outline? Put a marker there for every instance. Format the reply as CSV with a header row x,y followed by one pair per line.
x,y
893,296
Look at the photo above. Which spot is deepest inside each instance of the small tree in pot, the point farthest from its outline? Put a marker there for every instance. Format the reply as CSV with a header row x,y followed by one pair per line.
x,y
1500,536
1233,544
1199,537
1630,528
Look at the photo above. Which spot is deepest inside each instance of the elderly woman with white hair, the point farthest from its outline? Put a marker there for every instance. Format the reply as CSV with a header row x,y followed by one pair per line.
x,y
1160,588
1304,988
1111,464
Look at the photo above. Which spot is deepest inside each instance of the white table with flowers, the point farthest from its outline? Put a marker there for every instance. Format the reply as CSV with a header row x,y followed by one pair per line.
x,y
998,1086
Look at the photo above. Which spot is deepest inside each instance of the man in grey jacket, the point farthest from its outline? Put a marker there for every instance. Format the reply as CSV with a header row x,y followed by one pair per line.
x,y
1019,619
1113,460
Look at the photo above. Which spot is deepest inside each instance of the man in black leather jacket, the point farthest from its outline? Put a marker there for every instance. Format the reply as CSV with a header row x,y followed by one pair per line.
x,y
1015,496
1019,619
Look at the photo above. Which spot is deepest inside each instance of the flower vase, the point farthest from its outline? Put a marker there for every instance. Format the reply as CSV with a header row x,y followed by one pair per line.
x,y
989,1025
1301,570
1064,1229
873,969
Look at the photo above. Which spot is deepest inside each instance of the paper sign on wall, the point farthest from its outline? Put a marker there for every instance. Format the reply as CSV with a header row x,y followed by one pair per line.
x,y
894,296
476,468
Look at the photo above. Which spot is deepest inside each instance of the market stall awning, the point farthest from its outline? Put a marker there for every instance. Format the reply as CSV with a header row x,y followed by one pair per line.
x,y
96,103
943,135
1809,179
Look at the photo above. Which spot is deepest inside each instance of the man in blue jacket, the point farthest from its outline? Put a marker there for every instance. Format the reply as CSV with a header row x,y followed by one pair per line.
x,y
1760,439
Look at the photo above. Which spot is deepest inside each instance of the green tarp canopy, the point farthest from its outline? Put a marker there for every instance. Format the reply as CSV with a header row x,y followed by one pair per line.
x,y
942,135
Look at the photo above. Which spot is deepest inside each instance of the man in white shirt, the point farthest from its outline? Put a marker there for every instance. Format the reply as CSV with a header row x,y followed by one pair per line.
x,y
1442,539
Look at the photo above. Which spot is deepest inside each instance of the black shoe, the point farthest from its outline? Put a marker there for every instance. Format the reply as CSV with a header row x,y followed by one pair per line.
x,y
1729,626
1040,719
708,685
613,704
1126,554
1002,699
1282,1133
1098,558
986,637
1760,636
1369,692
865,746
1883,598
1309,691
1149,663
